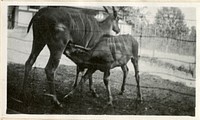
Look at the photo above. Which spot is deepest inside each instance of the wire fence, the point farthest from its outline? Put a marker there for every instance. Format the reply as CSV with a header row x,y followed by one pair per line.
x,y
135,35
146,42
141,39
29,41
47,56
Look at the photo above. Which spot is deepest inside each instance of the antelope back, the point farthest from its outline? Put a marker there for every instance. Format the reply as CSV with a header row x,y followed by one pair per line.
x,y
80,28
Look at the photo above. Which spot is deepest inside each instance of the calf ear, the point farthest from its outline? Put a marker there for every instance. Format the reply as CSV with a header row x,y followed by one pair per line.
x,y
114,12
105,9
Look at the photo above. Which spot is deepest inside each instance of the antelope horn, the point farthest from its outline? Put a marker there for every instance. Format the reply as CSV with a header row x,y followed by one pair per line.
x,y
114,11
105,9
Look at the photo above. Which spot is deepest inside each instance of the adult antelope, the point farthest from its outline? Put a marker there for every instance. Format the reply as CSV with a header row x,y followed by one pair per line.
x,y
109,52
55,27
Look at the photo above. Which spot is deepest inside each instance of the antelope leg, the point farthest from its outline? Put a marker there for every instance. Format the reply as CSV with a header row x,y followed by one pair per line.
x,y
77,74
37,47
125,73
94,94
137,77
83,79
106,82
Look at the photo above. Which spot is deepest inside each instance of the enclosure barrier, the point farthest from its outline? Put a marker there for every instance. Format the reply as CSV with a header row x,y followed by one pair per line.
x,y
144,41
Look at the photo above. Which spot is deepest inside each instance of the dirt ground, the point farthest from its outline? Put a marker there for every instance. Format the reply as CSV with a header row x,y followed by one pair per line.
x,y
161,96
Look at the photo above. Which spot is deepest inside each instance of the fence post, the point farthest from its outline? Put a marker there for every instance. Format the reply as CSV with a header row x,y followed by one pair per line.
x,y
194,71
194,68
140,40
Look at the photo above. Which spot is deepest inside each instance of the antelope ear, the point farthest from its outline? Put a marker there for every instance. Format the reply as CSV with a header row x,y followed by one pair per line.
x,y
105,9
114,12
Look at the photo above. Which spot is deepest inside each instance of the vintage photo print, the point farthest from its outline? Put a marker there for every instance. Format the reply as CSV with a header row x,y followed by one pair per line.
x,y
100,60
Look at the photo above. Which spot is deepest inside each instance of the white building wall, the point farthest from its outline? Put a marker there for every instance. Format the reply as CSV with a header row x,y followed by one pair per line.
x,y
24,18
124,28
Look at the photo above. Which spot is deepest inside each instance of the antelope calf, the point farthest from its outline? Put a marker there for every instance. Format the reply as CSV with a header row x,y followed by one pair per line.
x,y
109,52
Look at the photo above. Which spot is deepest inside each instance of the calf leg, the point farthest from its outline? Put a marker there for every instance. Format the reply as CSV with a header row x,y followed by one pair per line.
x,y
137,77
83,79
125,73
77,74
78,69
106,82
92,87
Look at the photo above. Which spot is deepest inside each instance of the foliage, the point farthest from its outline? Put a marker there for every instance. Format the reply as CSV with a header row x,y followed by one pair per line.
x,y
132,15
170,23
129,14
135,16
169,29
192,35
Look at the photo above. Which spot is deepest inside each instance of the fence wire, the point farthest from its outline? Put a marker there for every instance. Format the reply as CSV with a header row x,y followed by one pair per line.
x,y
137,36
174,39
30,41
114,81
65,58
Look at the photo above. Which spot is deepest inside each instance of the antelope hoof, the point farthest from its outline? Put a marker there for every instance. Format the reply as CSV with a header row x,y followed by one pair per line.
x,y
95,95
121,93
74,86
55,100
58,104
110,103
139,100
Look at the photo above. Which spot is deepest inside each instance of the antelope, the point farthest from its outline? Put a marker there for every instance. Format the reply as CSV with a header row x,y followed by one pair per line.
x,y
81,68
109,52
55,27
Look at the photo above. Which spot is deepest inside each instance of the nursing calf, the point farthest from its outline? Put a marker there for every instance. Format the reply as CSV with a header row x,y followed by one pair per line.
x,y
109,52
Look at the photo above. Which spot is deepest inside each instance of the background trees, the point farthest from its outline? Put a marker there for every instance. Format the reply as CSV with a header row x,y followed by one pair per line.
x,y
170,23
169,28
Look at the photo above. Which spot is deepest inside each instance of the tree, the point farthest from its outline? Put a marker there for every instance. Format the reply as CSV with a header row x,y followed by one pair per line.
x,y
170,22
129,14
135,16
192,35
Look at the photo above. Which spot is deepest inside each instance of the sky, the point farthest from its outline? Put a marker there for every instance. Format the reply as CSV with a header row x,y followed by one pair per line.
x,y
189,12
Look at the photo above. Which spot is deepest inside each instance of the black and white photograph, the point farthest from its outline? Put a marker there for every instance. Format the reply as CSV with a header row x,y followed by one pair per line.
x,y
101,60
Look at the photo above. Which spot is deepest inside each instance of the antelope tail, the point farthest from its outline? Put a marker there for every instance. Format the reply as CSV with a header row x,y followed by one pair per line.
x,y
30,23
32,20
